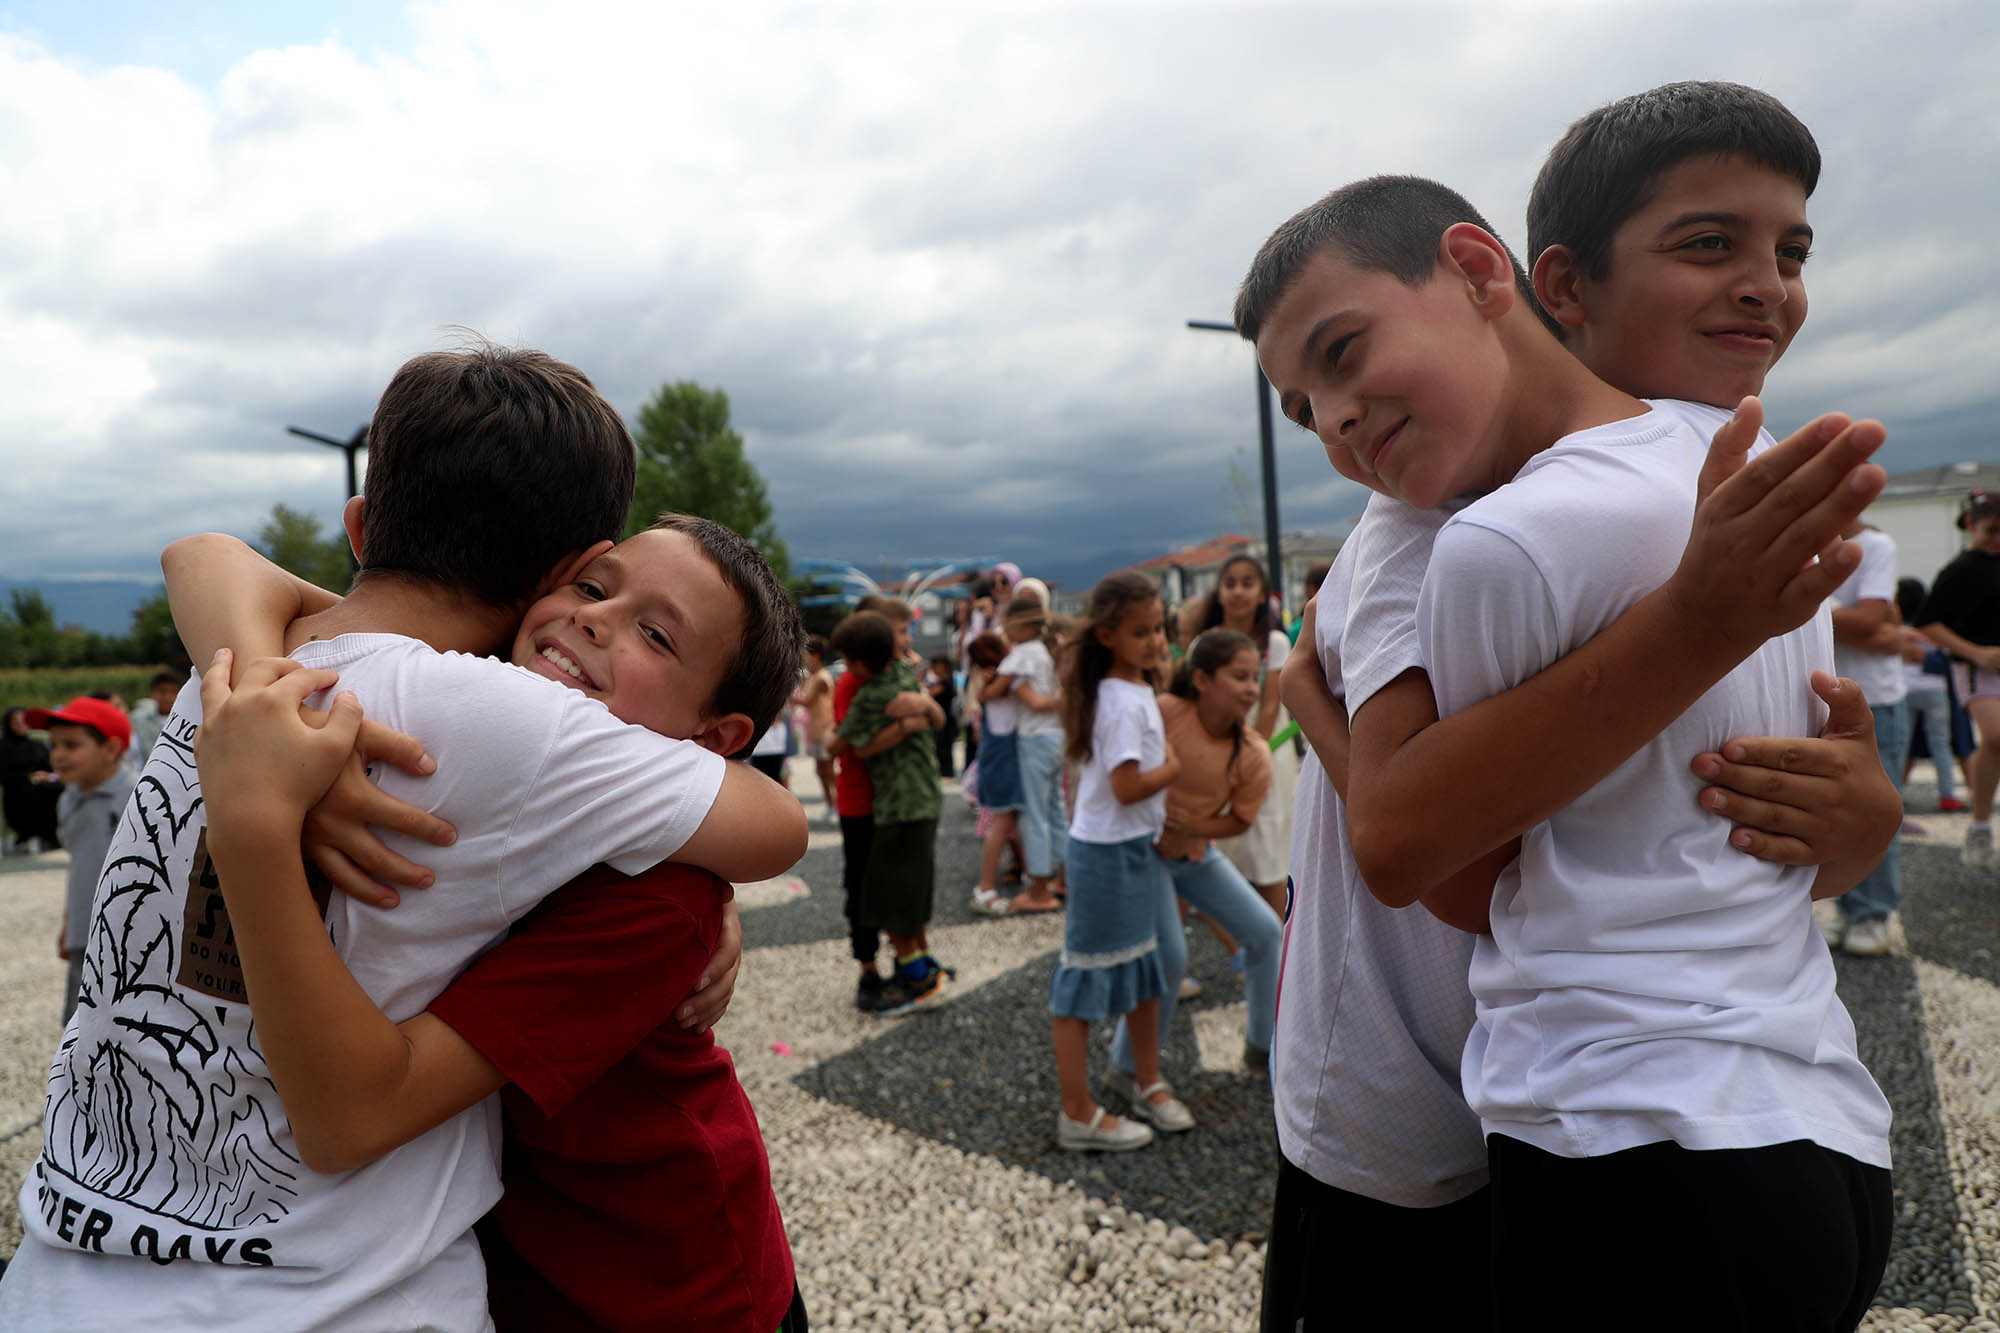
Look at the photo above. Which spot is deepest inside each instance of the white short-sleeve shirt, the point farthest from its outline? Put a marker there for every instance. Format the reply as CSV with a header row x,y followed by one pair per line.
x,y
1128,727
1880,675
1373,1009
1644,980
1032,664
169,1192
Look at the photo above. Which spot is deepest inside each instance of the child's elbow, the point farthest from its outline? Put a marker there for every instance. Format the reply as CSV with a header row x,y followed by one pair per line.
x,y
182,549
330,1150
1386,863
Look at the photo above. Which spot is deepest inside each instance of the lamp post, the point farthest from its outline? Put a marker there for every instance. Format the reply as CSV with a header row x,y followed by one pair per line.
x,y
1267,465
350,448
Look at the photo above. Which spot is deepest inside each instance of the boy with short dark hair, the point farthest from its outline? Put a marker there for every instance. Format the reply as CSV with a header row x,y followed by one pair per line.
x,y
1625,906
150,713
898,884
88,739
169,1179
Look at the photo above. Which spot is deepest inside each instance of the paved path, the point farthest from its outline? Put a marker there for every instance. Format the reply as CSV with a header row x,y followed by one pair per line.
x,y
914,1157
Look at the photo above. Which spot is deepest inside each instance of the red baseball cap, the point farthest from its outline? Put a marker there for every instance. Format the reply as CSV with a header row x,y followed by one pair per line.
x,y
106,716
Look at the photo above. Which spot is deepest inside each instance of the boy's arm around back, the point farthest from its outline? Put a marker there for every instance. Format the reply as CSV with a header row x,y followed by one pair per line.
x,y
1429,798
225,595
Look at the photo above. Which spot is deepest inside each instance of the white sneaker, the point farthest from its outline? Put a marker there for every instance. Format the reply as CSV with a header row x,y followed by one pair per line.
x,y
1978,850
1833,929
1075,1136
1867,938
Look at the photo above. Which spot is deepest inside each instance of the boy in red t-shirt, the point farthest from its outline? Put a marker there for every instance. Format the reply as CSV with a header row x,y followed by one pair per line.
x,y
854,798
638,1193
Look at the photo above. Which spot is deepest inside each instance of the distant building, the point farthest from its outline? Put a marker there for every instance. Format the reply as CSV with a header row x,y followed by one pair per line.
x,y
1919,510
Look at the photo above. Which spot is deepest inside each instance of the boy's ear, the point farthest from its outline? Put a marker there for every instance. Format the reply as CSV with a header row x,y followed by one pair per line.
x,y
1481,262
726,734
350,519
571,569
1559,286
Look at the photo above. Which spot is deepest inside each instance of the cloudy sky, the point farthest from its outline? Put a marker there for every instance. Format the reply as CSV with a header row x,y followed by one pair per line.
x,y
939,256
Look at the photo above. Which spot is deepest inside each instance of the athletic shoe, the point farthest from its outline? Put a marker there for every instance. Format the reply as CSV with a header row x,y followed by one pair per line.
x,y
1833,929
1189,987
926,989
1951,805
1867,938
868,992
1978,849
1075,1136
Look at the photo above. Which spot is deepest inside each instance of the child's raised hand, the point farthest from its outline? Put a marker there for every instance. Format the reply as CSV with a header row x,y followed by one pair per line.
x,y
1765,550
1808,801
338,837
262,765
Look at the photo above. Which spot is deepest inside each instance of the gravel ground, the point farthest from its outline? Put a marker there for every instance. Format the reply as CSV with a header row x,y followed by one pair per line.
x,y
915,1157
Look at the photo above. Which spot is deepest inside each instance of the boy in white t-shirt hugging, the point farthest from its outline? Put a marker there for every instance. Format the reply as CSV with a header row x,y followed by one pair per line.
x,y
1397,328
169,1188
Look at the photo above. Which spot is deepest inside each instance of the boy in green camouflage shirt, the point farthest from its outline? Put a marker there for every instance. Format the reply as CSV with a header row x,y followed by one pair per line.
x,y
902,764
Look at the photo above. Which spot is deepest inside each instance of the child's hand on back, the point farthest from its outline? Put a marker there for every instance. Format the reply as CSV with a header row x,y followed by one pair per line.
x,y
338,836
262,765
1765,550
1814,801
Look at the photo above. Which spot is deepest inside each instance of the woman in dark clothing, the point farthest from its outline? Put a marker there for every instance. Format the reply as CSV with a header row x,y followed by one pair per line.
x,y
27,789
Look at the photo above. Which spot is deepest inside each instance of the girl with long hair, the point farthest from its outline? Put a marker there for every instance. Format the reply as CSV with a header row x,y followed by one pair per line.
x,y
1242,601
1110,963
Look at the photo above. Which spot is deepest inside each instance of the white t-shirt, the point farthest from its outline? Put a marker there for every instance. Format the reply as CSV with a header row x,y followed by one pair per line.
x,y
1880,675
164,1139
1033,664
1373,1009
1644,980
1128,727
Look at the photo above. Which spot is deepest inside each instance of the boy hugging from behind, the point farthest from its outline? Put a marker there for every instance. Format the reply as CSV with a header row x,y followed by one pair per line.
x,y
899,877
1658,1038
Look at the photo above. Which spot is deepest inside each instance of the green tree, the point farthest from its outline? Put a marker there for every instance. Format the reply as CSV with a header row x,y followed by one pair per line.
x,y
691,462
291,540
154,638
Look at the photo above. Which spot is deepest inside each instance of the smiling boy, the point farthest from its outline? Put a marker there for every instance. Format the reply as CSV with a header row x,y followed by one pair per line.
x,y
1397,328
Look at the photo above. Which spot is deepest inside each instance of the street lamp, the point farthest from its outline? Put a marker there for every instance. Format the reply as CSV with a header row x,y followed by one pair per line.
x,y
1267,462
348,447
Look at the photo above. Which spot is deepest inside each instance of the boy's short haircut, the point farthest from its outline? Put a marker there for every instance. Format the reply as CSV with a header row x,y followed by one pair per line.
x,y
882,604
769,656
489,466
1605,166
816,646
165,678
1385,224
987,651
866,637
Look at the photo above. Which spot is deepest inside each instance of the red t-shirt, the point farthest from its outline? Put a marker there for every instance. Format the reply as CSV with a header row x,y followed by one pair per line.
x,y
853,791
637,1188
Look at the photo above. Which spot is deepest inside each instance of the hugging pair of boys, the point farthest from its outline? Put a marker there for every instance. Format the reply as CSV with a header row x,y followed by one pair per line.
x,y
1570,601
272,1107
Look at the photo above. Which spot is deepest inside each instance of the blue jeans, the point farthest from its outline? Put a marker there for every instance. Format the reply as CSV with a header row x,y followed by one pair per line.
x,y
1217,889
1044,826
1882,892
1932,708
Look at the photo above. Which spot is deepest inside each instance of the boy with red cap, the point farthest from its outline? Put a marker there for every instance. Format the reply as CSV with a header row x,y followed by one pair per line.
x,y
87,743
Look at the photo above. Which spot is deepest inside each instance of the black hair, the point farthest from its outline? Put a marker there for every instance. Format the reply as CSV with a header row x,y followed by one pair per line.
x,y
1384,224
1265,619
769,656
1211,651
165,678
1090,661
1605,166
867,638
487,468
1978,503
817,646
1910,594
1316,575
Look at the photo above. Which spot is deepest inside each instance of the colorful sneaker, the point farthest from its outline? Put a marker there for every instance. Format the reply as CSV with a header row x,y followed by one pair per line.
x,y
925,987
1951,805
1866,938
1978,849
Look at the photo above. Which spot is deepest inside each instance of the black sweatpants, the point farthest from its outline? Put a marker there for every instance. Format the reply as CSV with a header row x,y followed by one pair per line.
x,y
1339,1260
857,840
1661,1237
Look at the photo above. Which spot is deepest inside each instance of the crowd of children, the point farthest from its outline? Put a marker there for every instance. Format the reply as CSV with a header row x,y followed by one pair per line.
x,y
1559,1045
